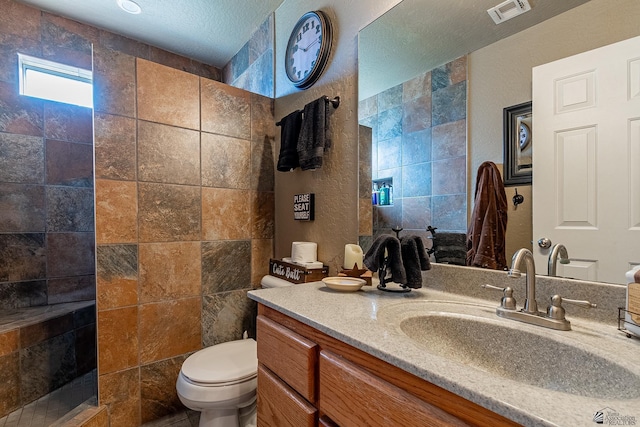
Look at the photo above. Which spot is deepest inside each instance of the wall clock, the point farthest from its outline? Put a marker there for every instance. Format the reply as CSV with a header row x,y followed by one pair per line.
x,y
308,49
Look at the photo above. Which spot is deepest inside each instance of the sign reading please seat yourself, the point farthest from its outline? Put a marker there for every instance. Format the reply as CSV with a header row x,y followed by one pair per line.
x,y
303,207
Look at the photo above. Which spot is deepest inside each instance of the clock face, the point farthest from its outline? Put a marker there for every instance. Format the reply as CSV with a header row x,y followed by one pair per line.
x,y
308,49
525,135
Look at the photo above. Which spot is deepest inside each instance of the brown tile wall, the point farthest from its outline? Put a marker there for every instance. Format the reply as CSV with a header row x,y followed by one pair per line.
x,y
174,150
184,226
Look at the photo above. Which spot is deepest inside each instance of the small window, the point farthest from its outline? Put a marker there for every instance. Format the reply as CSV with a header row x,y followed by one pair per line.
x,y
54,81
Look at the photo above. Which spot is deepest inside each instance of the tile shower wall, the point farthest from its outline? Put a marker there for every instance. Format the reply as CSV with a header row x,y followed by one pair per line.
x,y
252,67
46,217
184,202
415,133
46,173
184,224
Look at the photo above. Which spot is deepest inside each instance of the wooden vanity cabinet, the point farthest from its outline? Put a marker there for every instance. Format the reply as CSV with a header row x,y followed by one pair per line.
x,y
307,378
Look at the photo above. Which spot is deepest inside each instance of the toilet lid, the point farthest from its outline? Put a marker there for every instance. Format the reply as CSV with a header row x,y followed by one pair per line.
x,y
228,362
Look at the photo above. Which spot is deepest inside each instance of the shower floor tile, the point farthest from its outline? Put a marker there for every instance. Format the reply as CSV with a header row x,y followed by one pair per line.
x,y
48,409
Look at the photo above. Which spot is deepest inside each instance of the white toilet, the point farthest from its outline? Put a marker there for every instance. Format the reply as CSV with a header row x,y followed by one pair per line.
x,y
220,381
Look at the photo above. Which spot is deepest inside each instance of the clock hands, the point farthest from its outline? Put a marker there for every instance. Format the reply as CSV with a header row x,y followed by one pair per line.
x,y
308,47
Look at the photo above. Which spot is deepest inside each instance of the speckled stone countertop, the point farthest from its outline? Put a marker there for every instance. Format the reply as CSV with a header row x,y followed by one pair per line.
x,y
599,365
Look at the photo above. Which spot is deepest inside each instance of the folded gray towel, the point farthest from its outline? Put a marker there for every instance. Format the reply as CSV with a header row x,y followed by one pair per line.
x,y
374,258
414,259
314,134
411,263
288,159
450,248
425,263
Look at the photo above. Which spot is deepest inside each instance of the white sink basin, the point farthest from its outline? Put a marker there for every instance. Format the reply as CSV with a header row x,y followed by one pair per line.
x,y
474,336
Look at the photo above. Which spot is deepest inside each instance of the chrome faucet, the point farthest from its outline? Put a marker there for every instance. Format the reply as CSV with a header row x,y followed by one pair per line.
x,y
530,304
553,318
558,252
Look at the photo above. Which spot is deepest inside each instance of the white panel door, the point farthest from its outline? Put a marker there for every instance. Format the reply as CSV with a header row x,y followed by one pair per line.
x,y
586,161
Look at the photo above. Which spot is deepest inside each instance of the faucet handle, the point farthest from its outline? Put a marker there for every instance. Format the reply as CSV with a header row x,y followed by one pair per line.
x,y
580,303
556,311
507,302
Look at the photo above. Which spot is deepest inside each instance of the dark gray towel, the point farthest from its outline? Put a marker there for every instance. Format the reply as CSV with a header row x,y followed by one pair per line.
x,y
314,134
411,263
450,248
288,159
425,263
374,258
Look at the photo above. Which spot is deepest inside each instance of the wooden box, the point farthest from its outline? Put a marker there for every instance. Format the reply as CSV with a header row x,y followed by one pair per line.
x,y
295,273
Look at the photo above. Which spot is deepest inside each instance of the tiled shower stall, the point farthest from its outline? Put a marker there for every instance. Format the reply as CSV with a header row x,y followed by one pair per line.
x,y
184,203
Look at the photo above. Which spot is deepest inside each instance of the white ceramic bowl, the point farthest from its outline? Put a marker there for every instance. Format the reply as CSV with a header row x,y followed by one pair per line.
x,y
343,284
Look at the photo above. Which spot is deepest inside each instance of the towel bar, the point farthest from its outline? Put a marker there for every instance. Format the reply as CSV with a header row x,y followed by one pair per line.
x,y
335,102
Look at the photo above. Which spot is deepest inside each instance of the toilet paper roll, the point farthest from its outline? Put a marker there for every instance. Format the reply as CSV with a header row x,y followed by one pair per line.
x,y
274,282
304,252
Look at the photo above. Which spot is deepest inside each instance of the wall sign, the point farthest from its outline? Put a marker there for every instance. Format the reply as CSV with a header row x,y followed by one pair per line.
x,y
303,207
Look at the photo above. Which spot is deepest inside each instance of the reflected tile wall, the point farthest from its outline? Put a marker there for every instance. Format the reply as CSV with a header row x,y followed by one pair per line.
x,y
418,139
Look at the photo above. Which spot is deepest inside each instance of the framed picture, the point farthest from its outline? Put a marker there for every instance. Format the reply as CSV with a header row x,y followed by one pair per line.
x,y
518,142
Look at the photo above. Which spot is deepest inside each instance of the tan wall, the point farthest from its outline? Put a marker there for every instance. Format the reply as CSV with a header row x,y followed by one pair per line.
x,y
500,76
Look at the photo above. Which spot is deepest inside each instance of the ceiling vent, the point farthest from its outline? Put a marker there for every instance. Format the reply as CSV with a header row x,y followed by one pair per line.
x,y
508,9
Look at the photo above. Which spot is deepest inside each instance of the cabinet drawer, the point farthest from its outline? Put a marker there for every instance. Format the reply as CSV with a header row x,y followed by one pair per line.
x,y
345,387
279,405
289,355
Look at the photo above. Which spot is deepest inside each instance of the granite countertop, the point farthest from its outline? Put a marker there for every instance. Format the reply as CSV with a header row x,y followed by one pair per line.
x,y
369,320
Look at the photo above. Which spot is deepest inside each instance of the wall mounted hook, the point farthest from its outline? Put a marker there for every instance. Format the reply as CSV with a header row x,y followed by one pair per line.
x,y
517,199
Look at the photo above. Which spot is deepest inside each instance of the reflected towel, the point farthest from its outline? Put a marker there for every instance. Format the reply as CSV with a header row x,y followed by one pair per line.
x,y
450,248
488,226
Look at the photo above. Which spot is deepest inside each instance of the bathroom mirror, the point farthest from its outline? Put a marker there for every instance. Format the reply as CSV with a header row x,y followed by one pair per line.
x,y
418,36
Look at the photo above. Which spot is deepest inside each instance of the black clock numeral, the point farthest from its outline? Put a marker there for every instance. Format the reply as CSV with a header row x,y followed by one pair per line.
x,y
299,37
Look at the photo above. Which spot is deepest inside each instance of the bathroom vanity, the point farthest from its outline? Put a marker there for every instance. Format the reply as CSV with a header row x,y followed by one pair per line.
x,y
432,358
308,378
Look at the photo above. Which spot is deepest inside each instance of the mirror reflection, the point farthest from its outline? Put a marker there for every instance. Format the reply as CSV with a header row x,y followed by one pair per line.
x,y
432,96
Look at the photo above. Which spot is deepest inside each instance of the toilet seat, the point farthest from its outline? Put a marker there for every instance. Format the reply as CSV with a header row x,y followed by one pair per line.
x,y
223,364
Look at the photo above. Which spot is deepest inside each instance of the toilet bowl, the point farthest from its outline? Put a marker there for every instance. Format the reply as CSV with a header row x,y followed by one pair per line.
x,y
220,381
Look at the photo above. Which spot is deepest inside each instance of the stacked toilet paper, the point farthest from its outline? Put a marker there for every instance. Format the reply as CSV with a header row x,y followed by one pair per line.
x,y
304,253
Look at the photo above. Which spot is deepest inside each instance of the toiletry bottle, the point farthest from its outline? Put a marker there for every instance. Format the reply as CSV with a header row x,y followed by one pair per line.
x,y
390,194
384,194
375,194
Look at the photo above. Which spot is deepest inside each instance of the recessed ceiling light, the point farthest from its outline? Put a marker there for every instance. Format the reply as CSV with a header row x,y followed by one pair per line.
x,y
129,6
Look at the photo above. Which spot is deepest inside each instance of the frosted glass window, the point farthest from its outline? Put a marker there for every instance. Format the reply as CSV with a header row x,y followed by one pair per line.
x,y
53,81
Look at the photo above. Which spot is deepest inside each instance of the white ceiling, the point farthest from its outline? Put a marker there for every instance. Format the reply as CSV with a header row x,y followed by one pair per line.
x,y
419,35
210,31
